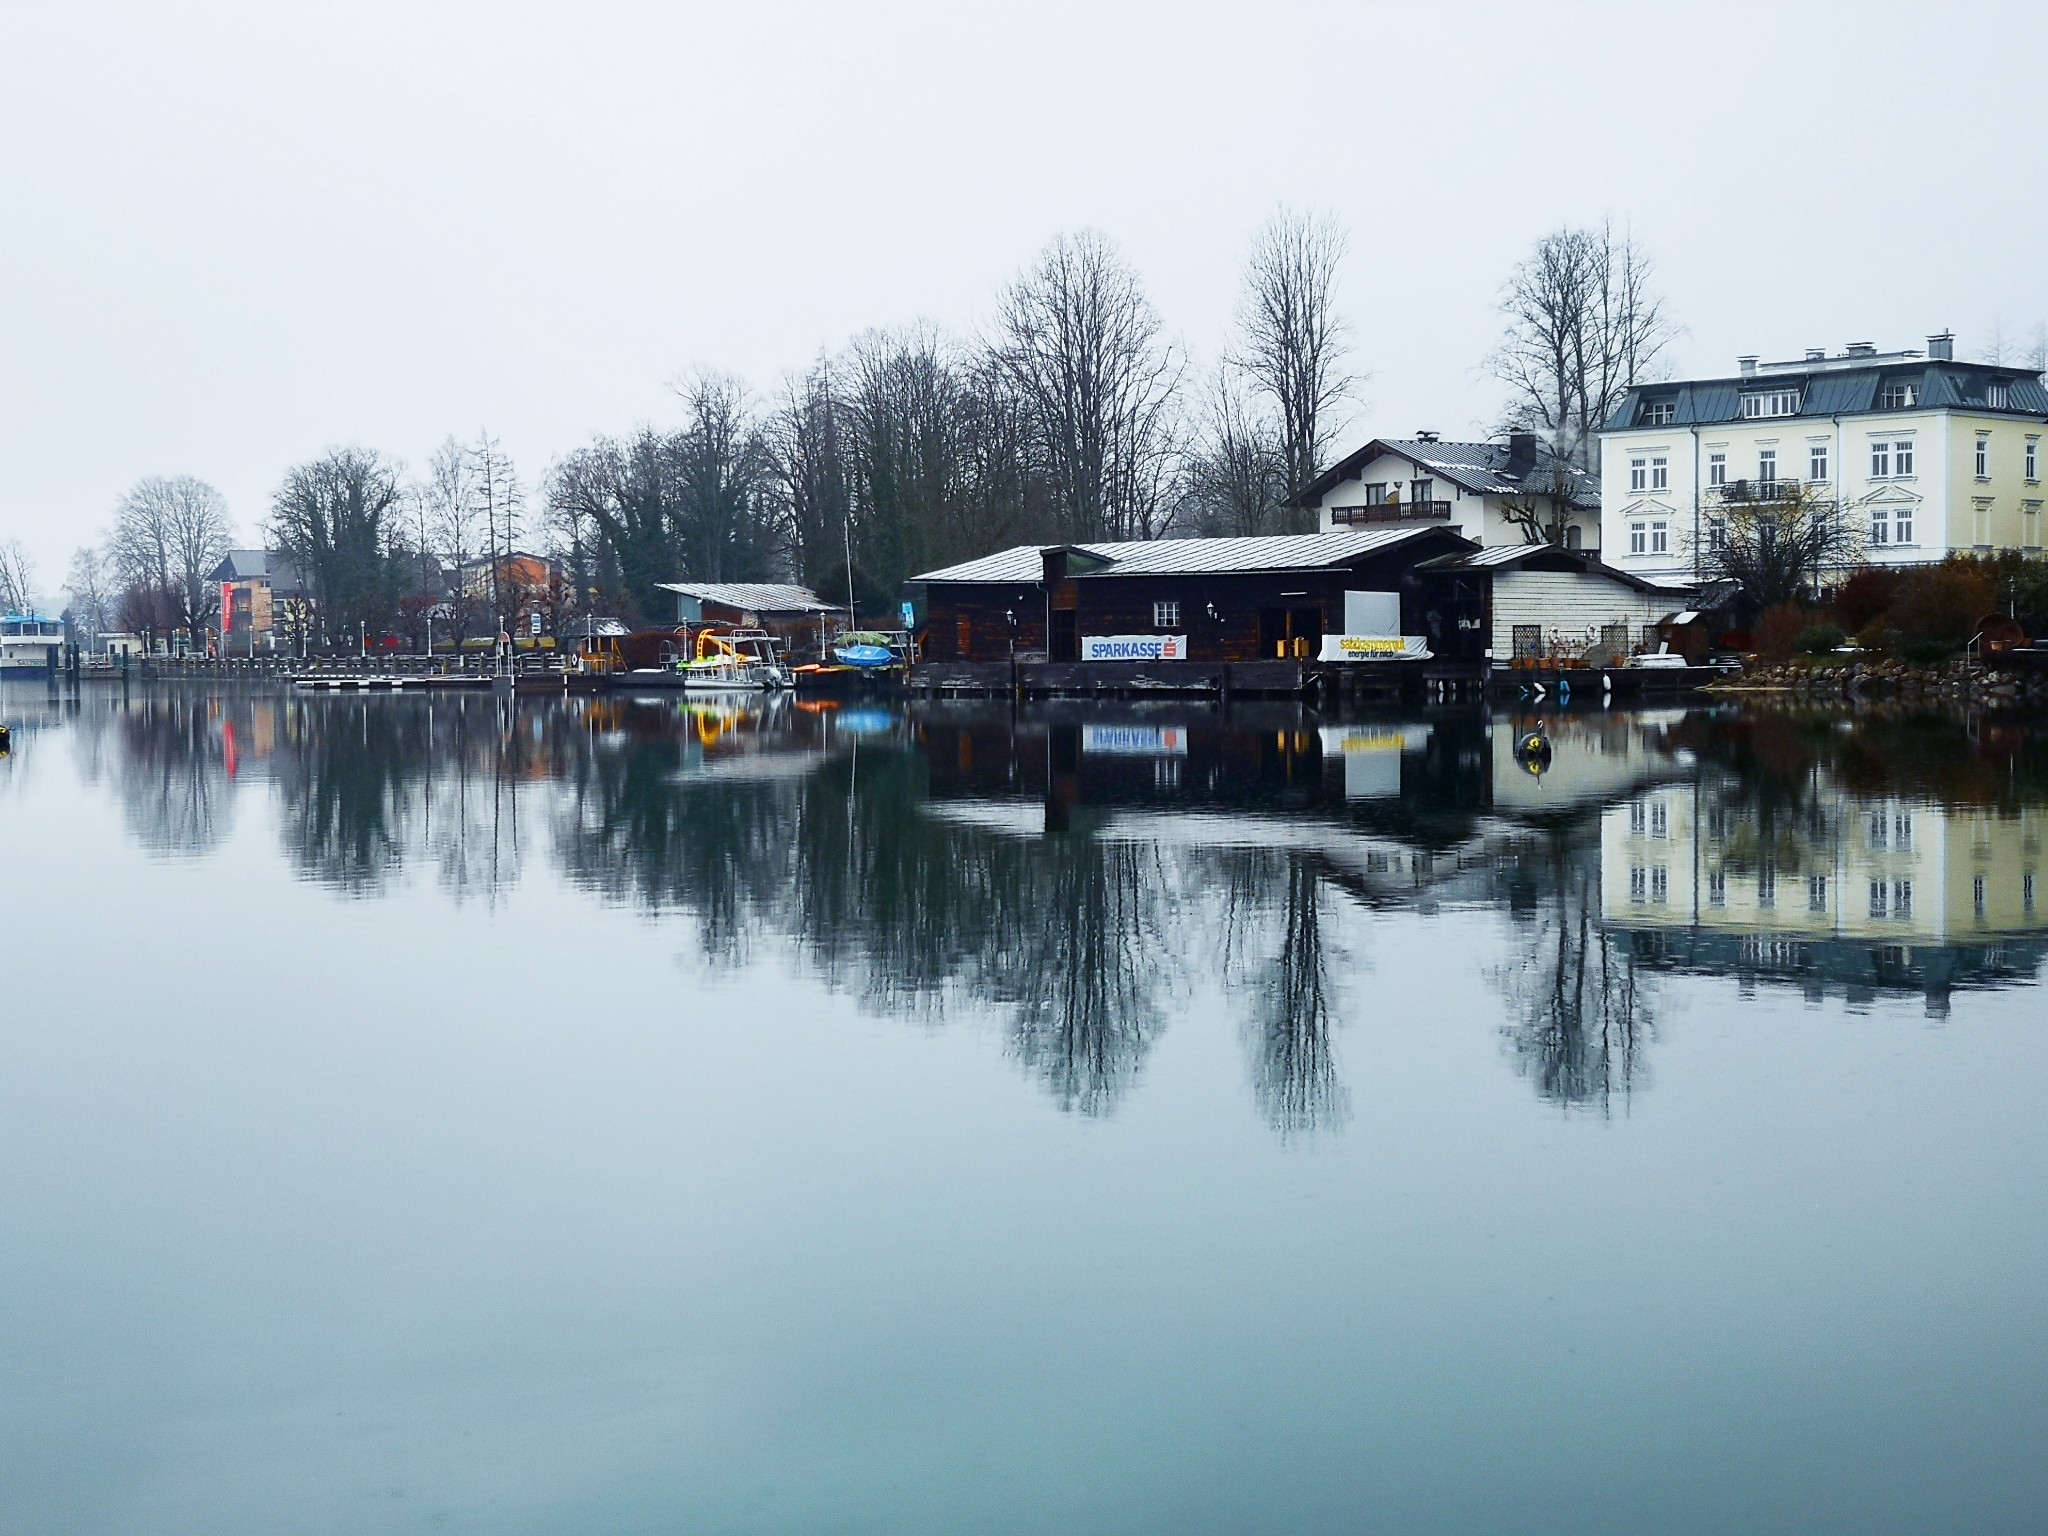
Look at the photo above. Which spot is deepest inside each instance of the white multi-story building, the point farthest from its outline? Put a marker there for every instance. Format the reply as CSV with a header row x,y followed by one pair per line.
x,y
1927,455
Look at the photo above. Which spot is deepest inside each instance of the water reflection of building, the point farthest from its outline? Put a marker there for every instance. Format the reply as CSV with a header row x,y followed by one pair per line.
x,y
1856,891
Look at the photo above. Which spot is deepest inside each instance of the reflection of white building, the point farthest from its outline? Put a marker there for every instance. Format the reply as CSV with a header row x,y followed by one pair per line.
x,y
1888,875
1597,759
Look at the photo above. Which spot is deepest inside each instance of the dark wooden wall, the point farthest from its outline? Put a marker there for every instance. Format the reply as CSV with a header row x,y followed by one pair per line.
x,y
983,608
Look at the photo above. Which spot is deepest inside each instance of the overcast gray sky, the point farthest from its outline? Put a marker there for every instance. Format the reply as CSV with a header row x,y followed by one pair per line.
x,y
237,234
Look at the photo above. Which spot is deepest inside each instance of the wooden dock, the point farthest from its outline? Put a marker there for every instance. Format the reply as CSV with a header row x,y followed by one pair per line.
x,y
1327,684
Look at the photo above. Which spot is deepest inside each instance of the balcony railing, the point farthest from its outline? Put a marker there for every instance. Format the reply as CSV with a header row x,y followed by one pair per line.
x,y
1393,512
1760,490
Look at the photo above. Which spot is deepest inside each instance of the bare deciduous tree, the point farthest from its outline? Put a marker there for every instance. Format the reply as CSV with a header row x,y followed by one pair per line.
x,y
808,437
1783,546
1081,341
1583,325
90,594
1290,343
17,577
445,526
169,534
1235,477
724,525
338,518
497,498
1542,509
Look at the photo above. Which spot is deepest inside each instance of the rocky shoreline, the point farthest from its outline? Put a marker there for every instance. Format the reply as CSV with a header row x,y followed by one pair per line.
x,y
1961,681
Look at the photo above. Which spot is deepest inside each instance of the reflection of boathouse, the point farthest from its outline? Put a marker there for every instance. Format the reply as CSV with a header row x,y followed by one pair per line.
x,y
1857,892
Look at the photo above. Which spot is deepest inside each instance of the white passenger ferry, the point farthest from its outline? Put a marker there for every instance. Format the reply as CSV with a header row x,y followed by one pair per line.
x,y
30,643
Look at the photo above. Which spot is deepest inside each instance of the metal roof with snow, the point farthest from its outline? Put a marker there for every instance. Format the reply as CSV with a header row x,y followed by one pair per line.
x,y
1506,557
751,596
1190,557
1483,469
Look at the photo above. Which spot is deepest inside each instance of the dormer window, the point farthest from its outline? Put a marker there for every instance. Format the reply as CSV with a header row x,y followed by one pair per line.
x,y
1997,394
1898,395
1659,413
1771,402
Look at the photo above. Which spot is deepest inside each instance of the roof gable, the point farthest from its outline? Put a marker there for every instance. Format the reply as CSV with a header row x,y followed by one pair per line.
x,y
1480,469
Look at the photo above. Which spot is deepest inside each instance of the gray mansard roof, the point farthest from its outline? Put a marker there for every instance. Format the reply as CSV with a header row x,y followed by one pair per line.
x,y
1832,390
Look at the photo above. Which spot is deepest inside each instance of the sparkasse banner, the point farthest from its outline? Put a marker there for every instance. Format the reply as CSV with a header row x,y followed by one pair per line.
x,y
1134,647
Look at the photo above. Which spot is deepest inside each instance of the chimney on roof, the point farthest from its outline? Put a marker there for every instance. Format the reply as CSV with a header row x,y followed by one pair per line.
x,y
1862,349
1942,348
1816,354
1521,455
1747,365
1425,437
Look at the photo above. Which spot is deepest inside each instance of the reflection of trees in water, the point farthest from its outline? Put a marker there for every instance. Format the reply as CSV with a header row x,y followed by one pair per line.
x,y
1777,755
906,908
364,785
173,782
1275,962
1074,938
1295,1072
1580,1020
1085,983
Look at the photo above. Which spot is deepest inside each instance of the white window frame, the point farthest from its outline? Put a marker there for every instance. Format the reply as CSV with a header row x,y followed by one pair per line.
x,y
1639,474
1983,455
1660,537
1902,524
1717,533
1817,463
1898,395
2033,458
1166,613
1659,413
1902,458
1880,526
1638,538
1660,474
1717,469
1998,396
1880,459
1767,465
1767,403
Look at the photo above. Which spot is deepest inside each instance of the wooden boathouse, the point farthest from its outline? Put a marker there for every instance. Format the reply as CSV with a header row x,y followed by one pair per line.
x,y
1250,616
1198,615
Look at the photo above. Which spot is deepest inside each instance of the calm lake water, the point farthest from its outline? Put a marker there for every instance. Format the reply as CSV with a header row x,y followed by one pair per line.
x,y
653,1116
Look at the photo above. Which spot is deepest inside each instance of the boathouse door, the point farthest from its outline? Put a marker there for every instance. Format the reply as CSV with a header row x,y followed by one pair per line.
x,y
1290,634
1064,643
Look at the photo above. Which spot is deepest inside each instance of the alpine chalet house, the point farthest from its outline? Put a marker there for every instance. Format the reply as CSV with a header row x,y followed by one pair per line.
x,y
1517,492
1928,455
